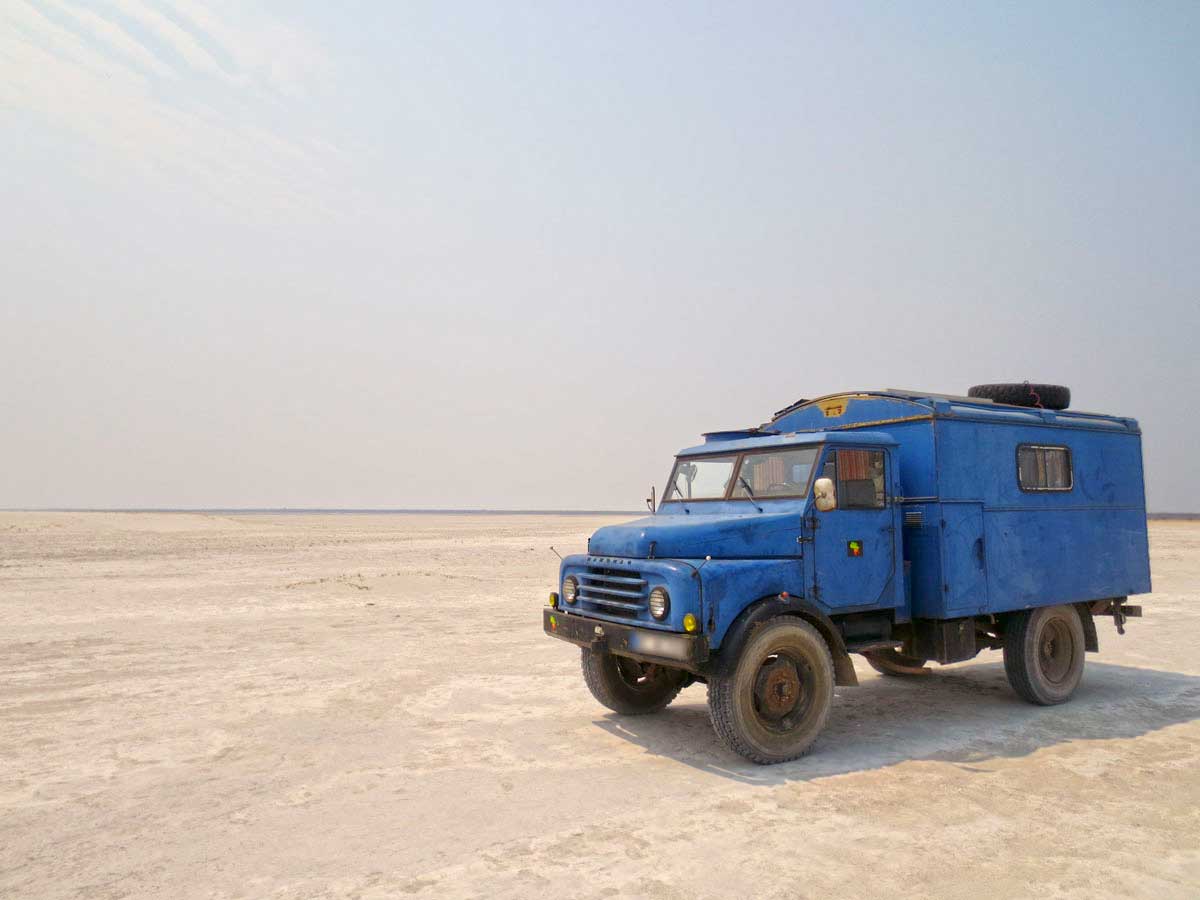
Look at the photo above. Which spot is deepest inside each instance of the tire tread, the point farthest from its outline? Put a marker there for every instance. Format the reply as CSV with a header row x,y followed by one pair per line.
x,y
721,699
1017,666
598,675
1051,396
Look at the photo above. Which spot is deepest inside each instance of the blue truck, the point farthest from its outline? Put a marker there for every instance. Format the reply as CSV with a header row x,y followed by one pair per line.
x,y
906,526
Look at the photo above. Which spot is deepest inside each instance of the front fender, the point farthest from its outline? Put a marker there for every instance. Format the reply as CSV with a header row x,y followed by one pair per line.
x,y
768,608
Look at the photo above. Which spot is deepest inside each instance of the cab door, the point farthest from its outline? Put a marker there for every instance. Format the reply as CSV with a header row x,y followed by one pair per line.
x,y
854,546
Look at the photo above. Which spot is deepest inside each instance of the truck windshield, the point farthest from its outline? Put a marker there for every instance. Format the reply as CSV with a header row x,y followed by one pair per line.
x,y
761,475
783,473
706,478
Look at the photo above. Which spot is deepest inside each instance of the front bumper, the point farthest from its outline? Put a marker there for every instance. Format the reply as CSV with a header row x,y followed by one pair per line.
x,y
683,651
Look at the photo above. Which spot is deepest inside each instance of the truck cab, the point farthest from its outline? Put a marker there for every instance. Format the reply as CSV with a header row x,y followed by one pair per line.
x,y
858,523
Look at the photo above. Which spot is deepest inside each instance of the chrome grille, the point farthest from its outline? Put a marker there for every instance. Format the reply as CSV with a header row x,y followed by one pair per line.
x,y
616,592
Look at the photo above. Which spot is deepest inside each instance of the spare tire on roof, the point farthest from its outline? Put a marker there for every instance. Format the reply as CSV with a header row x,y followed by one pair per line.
x,y
1044,396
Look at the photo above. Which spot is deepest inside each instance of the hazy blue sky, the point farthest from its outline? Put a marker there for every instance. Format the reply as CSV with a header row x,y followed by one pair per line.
x,y
515,255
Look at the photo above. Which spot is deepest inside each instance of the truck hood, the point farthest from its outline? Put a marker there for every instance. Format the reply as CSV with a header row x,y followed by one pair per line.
x,y
728,536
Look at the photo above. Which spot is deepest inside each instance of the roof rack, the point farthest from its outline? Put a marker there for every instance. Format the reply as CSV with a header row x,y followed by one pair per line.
x,y
788,409
907,393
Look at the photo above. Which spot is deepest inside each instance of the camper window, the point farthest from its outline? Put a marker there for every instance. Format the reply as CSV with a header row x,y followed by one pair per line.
x,y
1041,468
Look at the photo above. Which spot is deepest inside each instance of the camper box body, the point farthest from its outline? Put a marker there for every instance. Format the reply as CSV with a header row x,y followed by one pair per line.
x,y
974,540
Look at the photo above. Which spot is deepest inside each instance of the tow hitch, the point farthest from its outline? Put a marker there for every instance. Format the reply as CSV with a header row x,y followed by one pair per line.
x,y
1120,612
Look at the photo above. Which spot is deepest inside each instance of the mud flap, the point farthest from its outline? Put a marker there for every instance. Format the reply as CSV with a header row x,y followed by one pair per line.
x,y
1091,642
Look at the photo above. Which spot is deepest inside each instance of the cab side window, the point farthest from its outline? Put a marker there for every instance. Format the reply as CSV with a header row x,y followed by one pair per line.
x,y
859,475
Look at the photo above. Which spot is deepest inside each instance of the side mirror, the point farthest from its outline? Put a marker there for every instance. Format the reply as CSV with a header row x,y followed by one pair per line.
x,y
650,500
825,494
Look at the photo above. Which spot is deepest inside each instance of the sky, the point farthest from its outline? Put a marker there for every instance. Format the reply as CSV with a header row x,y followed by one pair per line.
x,y
478,255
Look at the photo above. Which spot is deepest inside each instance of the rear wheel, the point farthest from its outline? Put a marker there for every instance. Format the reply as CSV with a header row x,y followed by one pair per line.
x,y
627,686
773,704
1043,653
891,662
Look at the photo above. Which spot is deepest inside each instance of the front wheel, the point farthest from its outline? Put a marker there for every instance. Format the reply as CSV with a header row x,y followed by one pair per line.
x,y
627,686
1043,653
774,703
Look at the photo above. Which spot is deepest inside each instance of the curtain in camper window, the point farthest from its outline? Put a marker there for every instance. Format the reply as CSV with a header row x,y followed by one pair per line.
x,y
1044,468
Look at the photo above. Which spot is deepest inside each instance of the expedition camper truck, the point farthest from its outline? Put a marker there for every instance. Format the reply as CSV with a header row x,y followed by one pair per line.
x,y
905,526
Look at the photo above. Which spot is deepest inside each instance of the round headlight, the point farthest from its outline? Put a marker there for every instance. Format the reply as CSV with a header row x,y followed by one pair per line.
x,y
660,603
570,589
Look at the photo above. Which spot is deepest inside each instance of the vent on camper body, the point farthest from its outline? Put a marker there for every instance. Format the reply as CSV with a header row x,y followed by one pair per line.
x,y
914,518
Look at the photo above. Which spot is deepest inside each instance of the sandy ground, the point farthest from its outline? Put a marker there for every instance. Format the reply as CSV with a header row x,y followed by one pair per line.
x,y
365,706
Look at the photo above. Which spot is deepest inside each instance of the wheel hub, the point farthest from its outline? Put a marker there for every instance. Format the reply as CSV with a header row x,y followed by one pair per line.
x,y
777,689
1055,651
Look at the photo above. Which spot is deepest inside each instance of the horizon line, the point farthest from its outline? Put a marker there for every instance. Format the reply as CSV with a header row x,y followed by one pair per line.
x,y
321,509
362,510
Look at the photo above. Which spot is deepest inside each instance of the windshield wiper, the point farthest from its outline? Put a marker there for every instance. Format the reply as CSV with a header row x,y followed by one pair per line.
x,y
749,493
682,499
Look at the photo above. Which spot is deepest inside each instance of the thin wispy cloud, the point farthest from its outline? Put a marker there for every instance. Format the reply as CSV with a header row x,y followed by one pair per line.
x,y
176,92
174,38
271,53
110,33
35,33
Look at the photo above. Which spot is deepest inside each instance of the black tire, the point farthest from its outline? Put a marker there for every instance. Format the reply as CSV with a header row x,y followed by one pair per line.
x,y
773,703
1046,396
627,686
1043,653
894,663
